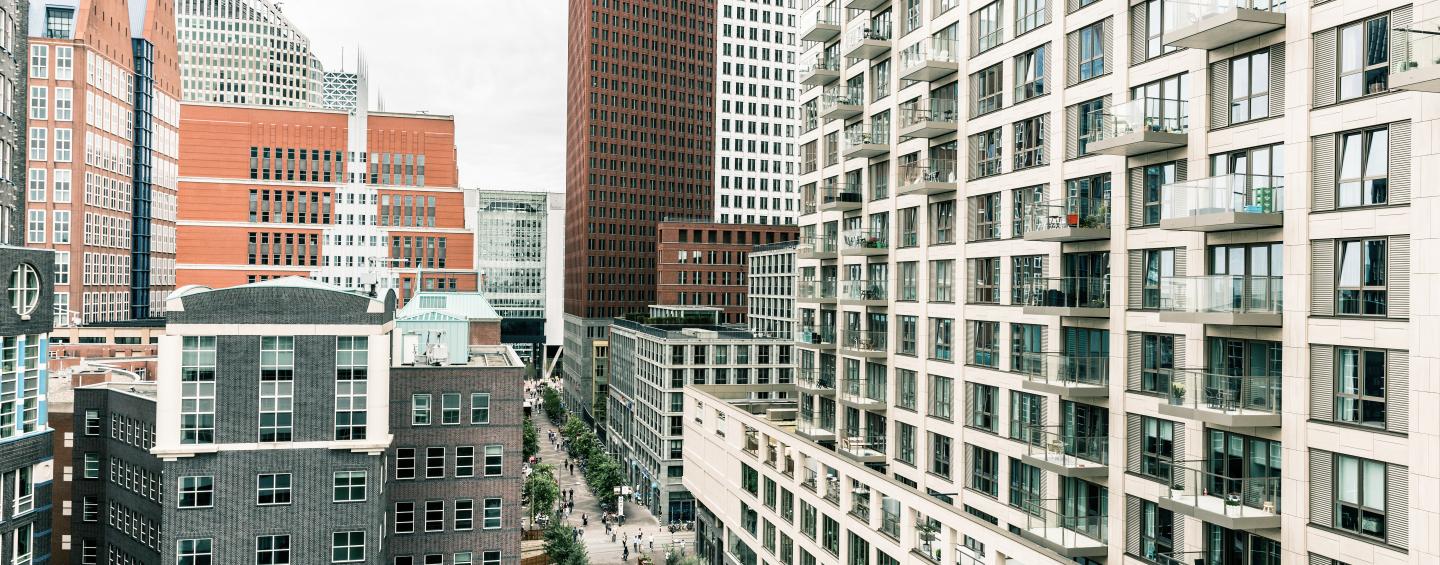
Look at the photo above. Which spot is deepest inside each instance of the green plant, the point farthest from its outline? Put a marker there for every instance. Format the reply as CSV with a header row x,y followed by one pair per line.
x,y
561,546
531,437
541,489
550,402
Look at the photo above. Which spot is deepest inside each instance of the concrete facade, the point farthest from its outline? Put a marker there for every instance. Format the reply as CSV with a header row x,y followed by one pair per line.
x,y
278,69
772,278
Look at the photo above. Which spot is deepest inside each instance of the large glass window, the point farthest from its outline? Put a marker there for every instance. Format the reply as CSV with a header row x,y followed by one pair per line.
x,y
1159,266
984,406
986,280
1244,468
1092,51
984,470
942,281
1360,496
1089,114
1030,73
942,222
197,390
1362,175
942,396
1360,386
1157,447
1361,280
987,89
1027,415
1157,362
1365,57
1027,487
988,32
1250,87
940,454
1030,142
1029,14
1157,532
1153,178
942,338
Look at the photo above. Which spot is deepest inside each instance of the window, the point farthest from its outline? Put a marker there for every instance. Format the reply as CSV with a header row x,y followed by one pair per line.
x,y
59,22
492,514
1364,167
988,32
909,227
435,462
90,509
1157,447
830,535
1092,51
1029,146
62,185
1025,272
64,103
24,293
493,459
909,336
197,390
434,516
351,389
35,229
420,409
985,154
942,281
1364,57
905,443
64,63
984,409
1360,496
193,552
984,470
350,486
1360,386
465,461
1029,14
61,226
63,141
749,480
449,409
1157,362
39,143
941,396
464,515
905,388
1361,285
195,492
405,463
1090,115
986,220
479,408
985,280
1153,177
1159,267
272,489
986,85
1250,87
92,466
39,103
942,338
39,61
985,343
940,455
491,557
92,422
1157,532
347,547
942,222
277,388
909,281
1030,71
38,185
404,517
272,550
1027,487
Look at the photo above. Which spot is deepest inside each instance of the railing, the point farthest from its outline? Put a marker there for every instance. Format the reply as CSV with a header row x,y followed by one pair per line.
x,y
889,521
808,205
840,95
1063,447
811,477
928,50
865,340
860,503
1058,521
832,489
1251,194
822,62
1067,292
1222,294
1181,13
817,335
1141,115
1218,392
861,33
928,170
1064,369
817,290
864,239
942,6
814,378
813,426
824,15
874,289
1204,484
836,193
857,137
752,441
944,110
816,244
1421,48
867,444
1182,558
861,391
1068,212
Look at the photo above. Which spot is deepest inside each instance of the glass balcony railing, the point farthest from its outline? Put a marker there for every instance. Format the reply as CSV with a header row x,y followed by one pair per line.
x,y
1249,194
873,289
1222,294
1061,447
943,110
860,34
864,240
1217,488
816,335
1141,115
923,171
824,15
857,137
816,245
865,341
1419,63
864,444
836,96
816,290
1067,292
1225,394
1182,13
1070,524
808,205
832,489
815,379
1068,212
846,193
1068,370
927,52
811,480
821,62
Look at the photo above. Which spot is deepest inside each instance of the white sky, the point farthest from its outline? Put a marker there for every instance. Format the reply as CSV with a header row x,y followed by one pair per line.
x,y
498,66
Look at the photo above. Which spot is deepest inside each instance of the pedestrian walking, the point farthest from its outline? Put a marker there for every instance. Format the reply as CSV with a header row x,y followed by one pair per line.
x,y
584,520
652,542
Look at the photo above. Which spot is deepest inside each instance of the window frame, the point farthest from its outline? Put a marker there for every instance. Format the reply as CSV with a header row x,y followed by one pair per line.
x,y
1366,180
1365,249
1361,378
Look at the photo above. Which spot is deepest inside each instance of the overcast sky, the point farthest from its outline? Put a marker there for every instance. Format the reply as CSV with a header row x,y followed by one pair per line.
x,y
498,66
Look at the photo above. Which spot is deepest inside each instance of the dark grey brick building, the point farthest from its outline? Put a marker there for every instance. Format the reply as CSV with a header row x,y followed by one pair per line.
x,y
26,454
118,487
13,60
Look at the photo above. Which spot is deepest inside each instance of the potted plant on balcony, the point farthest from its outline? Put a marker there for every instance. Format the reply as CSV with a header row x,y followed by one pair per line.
x,y
1177,393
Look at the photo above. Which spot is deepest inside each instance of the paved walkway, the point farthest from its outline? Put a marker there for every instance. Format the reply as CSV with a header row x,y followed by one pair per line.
x,y
638,519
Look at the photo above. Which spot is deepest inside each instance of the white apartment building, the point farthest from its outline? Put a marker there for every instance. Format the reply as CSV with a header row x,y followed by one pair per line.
x,y
756,112
772,289
245,52
1183,231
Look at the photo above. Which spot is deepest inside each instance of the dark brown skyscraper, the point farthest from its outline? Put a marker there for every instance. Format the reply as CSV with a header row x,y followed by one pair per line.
x,y
639,150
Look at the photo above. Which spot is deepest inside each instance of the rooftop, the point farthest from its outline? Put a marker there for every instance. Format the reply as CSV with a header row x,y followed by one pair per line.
x,y
497,356
469,306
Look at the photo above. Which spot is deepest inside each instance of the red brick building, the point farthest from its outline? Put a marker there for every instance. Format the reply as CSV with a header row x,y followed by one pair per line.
x,y
705,264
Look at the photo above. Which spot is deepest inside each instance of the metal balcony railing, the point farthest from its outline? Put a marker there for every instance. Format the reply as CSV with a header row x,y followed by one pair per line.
x,y
1211,486
817,335
857,240
865,340
1063,369
874,289
816,290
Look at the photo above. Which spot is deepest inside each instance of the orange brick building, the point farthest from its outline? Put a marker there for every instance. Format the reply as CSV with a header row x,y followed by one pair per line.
x,y
705,264
352,199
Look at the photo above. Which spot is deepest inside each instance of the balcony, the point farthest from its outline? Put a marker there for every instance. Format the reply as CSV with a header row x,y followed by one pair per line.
x,y
1087,297
815,380
812,291
864,42
821,71
818,336
930,59
858,143
840,102
1208,24
1228,300
816,247
1419,68
939,117
865,4
812,429
1211,491
1070,376
1074,218
1141,126
811,479
863,343
928,176
832,489
862,394
873,292
841,196
1064,529
808,204
1236,401
821,25
1060,451
860,503
864,243
1227,202
868,448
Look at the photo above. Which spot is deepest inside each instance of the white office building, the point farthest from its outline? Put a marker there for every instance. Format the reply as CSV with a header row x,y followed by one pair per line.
x,y
245,52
